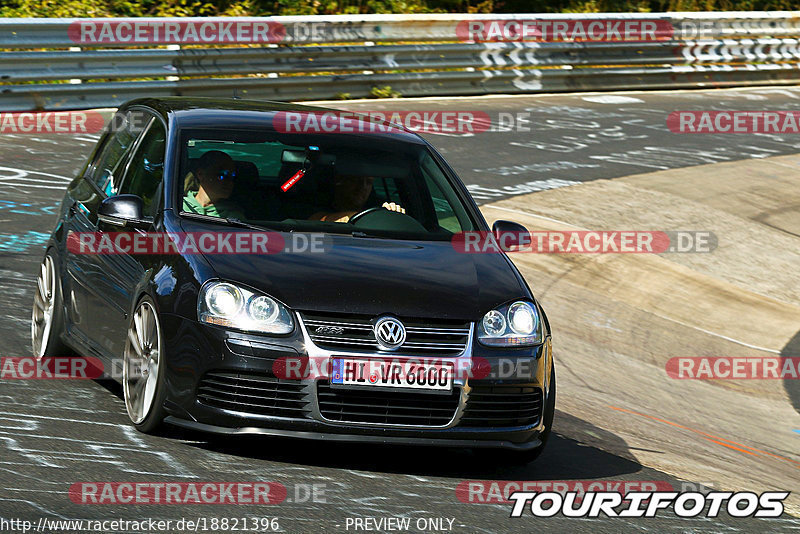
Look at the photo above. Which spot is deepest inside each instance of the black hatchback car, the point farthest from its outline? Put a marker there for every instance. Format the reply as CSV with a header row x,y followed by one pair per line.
x,y
326,250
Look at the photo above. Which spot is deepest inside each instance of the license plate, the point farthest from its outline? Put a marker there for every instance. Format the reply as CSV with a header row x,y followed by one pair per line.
x,y
412,374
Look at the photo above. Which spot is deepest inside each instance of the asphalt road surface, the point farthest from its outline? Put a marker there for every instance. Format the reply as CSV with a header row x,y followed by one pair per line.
x,y
56,433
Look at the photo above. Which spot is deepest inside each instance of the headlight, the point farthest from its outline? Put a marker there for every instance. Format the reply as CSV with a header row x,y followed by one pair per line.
x,y
224,300
513,325
225,304
263,309
494,323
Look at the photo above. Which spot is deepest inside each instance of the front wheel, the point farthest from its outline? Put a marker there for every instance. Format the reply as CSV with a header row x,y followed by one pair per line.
x,y
143,369
47,322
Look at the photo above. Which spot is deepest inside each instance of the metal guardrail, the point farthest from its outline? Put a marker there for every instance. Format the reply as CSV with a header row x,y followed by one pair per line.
x,y
416,55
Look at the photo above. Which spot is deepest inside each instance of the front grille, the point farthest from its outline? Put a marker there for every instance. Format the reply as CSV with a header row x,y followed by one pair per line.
x,y
254,393
354,333
502,406
386,407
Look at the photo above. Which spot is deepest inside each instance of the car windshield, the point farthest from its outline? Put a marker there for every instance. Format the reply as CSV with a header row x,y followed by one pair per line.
x,y
319,183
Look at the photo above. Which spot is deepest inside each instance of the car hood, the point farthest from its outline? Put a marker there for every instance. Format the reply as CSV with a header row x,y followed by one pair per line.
x,y
379,276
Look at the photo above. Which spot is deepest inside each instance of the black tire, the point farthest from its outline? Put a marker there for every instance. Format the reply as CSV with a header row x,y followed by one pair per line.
x,y
155,415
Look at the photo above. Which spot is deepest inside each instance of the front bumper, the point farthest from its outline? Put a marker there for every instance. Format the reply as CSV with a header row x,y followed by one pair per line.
x,y
238,364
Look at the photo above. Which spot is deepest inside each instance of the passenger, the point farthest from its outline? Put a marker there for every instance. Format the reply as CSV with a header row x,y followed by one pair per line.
x,y
350,194
216,174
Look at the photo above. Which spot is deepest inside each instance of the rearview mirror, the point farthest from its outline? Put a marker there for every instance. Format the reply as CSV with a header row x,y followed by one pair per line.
x,y
510,234
300,156
120,210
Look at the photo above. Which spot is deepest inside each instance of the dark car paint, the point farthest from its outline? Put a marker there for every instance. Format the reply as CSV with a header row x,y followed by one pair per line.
x,y
375,276
357,275
191,346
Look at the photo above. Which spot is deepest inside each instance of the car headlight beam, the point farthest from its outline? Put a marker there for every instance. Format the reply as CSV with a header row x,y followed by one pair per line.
x,y
513,325
224,300
522,318
226,304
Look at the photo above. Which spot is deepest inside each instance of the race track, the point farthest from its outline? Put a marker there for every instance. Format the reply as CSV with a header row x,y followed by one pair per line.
x,y
604,161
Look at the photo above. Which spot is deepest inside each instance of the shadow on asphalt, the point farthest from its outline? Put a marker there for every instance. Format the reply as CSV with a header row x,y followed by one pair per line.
x,y
792,385
567,456
564,457
112,386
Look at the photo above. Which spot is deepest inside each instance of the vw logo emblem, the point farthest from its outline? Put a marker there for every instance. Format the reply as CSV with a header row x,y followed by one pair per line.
x,y
390,333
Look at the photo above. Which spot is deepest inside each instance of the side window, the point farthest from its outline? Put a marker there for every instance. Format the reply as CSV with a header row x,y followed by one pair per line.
x,y
446,216
107,168
146,168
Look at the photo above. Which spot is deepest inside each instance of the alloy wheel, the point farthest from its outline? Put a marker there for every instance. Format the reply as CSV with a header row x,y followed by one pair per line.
x,y
43,307
141,363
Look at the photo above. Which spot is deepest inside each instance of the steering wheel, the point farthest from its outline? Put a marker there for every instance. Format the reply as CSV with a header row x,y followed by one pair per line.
x,y
361,213
380,218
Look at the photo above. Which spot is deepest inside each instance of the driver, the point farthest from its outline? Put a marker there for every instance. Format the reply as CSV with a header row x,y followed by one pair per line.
x,y
216,173
349,196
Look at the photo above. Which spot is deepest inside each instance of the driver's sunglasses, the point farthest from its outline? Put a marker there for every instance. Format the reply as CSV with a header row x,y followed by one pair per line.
x,y
226,175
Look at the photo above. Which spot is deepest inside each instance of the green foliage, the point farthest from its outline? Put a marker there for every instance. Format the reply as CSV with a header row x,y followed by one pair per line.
x,y
640,6
383,92
183,8
53,8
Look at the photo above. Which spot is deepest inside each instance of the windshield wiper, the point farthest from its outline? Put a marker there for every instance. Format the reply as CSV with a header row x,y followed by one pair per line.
x,y
361,233
230,221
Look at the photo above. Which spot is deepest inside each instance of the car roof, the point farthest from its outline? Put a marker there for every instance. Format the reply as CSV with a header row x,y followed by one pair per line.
x,y
217,112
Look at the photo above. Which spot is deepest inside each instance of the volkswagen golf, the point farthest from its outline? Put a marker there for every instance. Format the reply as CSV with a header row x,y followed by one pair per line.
x,y
248,277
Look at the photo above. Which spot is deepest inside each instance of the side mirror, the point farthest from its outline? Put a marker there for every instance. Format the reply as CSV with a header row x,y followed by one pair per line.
x,y
510,234
120,210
